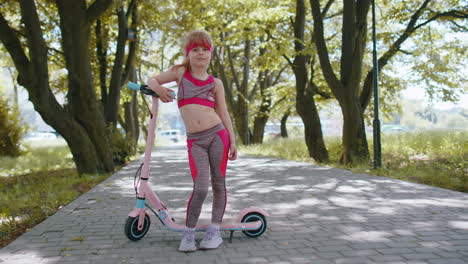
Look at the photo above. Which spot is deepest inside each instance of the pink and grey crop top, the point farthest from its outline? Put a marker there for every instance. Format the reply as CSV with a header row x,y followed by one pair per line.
x,y
195,91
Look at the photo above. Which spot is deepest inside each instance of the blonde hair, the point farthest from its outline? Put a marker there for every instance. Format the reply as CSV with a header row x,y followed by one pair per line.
x,y
199,37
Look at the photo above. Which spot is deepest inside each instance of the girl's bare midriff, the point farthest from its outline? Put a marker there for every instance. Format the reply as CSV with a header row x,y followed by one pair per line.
x,y
198,118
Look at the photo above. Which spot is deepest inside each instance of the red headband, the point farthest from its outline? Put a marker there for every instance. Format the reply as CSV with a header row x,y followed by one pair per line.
x,y
193,44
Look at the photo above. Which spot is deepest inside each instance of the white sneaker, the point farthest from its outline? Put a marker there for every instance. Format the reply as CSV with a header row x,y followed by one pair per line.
x,y
187,244
212,238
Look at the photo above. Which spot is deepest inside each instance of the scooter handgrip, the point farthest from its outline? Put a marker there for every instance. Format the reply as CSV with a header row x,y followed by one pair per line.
x,y
133,86
145,90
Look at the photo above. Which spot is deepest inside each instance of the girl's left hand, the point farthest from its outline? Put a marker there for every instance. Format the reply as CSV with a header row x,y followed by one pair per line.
x,y
232,152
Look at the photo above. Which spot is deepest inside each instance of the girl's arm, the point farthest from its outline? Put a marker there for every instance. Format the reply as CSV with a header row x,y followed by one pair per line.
x,y
221,110
172,75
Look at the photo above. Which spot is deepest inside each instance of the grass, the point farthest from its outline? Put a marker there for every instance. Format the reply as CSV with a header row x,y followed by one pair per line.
x,y
36,159
436,158
35,186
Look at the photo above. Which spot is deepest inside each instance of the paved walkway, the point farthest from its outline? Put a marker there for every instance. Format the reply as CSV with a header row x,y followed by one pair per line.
x,y
318,215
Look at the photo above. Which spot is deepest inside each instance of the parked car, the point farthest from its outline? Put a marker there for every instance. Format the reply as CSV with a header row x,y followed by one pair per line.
x,y
38,135
394,128
172,134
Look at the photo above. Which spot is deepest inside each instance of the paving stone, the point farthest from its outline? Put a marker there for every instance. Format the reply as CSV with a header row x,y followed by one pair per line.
x,y
419,256
356,253
356,260
448,261
318,215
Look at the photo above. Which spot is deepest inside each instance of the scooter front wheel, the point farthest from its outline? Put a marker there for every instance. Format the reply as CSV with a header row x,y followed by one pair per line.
x,y
131,228
253,217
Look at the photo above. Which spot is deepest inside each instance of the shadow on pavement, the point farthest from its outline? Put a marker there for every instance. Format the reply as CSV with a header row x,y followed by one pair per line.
x,y
316,213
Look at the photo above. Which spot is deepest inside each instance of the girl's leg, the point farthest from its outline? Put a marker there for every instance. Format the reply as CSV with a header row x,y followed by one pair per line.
x,y
199,167
198,160
218,152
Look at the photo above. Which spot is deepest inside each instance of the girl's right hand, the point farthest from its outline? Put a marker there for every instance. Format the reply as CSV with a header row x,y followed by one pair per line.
x,y
165,94
155,83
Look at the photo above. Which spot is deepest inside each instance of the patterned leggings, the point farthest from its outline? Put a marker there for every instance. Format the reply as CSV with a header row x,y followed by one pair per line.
x,y
208,152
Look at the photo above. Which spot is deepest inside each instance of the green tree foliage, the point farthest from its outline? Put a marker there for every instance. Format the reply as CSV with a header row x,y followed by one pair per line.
x,y
247,57
255,44
346,85
25,33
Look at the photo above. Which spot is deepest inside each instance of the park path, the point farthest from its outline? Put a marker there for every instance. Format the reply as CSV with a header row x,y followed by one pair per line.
x,y
317,215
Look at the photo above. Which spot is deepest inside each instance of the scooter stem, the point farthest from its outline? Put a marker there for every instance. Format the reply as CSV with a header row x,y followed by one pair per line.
x,y
150,138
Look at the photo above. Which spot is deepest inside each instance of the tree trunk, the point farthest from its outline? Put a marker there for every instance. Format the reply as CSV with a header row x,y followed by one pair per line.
x,y
136,122
219,70
131,124
113,100
353,43
75,28
101,54
241,122
305,103
241,113
354,139
346,89
284,119
80,122
259,129
131,115
119,76
308,112
265,82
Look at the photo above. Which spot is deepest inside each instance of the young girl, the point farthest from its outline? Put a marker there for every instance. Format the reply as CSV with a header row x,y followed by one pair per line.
x,y
210,136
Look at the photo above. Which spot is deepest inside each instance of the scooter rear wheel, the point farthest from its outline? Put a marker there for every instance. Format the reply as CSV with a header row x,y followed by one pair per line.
x,y
253,217
131,228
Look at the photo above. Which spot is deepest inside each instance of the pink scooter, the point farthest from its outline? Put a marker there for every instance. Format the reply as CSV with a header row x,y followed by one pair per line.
x,y
251,221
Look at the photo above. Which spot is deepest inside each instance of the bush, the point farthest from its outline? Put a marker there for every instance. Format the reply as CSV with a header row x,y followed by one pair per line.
x,y
122,148
11,130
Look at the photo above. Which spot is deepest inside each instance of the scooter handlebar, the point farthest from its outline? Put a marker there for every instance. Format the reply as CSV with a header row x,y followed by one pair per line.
x,y
143,88
133,86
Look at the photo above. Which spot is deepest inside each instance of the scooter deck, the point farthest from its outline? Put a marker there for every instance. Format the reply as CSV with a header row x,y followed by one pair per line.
x,y
227,224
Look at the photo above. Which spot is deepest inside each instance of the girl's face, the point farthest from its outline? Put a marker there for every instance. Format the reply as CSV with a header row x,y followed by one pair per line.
x,y
199,56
